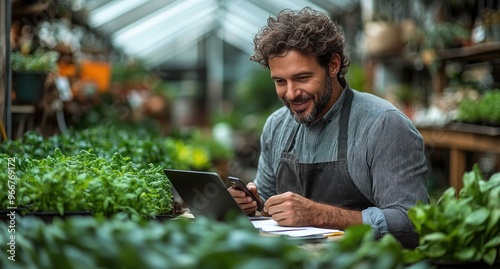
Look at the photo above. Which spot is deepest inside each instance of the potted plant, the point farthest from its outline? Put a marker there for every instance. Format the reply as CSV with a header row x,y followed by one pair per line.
x,y
29,74
383,33
382,37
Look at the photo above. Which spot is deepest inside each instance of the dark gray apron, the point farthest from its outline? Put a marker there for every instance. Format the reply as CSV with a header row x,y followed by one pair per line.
x,y
327,182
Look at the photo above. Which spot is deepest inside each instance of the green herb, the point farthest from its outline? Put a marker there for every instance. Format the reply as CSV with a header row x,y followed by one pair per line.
x,y
463,229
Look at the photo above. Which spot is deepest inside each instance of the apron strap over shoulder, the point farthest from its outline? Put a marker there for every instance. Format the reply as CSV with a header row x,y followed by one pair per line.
x,y
344,124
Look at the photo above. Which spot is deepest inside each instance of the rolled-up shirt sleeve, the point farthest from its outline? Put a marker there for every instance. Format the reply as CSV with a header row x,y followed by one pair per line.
x,y
374,217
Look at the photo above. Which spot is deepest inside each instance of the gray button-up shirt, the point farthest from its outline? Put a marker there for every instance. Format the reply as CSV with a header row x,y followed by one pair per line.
x,y
385,155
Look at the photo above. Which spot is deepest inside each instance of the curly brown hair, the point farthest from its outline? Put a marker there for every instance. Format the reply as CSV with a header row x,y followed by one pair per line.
x,y
309,31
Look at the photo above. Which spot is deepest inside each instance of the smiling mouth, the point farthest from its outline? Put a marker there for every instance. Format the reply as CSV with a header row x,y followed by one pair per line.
x,y
299,106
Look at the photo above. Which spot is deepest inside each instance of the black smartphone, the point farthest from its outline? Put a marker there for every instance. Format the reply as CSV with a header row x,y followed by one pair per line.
x,y
236,183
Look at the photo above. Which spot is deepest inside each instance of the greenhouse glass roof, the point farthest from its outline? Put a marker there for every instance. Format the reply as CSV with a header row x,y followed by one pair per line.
x,y
157,30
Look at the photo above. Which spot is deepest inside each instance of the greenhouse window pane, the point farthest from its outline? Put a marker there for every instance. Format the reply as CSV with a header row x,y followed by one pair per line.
x,y
112,10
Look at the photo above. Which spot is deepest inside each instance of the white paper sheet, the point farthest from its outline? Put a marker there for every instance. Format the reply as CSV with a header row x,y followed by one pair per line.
x,y
271,226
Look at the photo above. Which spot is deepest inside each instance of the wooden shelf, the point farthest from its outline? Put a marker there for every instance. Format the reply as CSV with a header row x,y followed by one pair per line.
x,y
484,52
473,128
480,52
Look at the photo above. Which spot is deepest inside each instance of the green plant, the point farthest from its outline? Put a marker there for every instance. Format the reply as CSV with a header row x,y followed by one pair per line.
x,y
85,182
358,249
81,242
36,62
118,243
464,228
485,110
141,145
468,111
489,107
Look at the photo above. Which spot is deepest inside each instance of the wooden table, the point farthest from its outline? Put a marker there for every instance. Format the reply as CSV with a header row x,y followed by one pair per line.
x,y
460,139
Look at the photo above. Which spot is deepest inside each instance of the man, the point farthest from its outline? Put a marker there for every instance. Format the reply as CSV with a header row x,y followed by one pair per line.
x,y
332,156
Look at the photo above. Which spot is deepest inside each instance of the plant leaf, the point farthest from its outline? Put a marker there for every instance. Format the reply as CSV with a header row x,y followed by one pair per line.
x,y
433,237
494,242
477,217
490,256
465,254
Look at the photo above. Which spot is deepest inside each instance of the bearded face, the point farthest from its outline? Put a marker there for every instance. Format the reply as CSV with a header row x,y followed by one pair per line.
x,y
319,103
303,85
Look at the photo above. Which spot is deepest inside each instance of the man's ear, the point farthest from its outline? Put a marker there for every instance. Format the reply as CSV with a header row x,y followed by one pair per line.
x,y
334,65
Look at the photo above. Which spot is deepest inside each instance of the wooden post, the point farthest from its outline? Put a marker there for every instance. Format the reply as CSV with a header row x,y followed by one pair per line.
x,y
457,168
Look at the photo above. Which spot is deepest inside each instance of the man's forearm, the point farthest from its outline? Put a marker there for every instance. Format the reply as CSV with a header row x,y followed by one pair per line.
x,y
329,216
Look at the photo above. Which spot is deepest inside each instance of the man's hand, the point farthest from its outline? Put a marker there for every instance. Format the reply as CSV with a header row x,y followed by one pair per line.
x,y
245,202
291,209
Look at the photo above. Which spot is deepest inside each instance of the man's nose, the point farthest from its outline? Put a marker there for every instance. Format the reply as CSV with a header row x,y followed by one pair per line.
x,y
292,91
